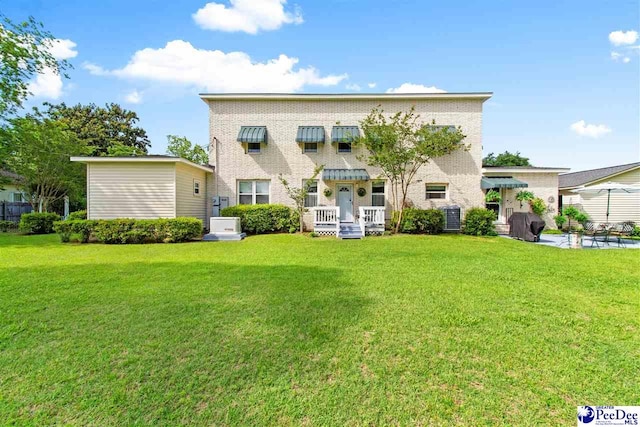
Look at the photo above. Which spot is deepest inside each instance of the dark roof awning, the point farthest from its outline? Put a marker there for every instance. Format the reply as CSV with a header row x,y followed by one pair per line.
x,y
345,175
310,134
252,134
344,133
501,182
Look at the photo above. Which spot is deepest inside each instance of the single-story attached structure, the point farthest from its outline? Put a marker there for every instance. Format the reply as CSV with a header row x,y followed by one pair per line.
x,y
624,206
146,187
509,180
9,190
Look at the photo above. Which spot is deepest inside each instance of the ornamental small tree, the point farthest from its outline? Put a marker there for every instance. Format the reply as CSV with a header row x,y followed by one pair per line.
x,y
299,194
400,145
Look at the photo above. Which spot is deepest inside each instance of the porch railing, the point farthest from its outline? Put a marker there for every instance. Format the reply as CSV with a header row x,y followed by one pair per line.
x,y
326,219
371,218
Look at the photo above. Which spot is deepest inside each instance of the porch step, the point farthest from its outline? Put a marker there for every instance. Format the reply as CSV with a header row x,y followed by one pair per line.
x,y
350,231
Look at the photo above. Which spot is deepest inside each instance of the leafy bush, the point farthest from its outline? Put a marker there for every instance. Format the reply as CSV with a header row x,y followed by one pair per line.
x,y
126,230
6,225
560,221
538,206
479,222
77,215
422,221
38,223
261,219
636,231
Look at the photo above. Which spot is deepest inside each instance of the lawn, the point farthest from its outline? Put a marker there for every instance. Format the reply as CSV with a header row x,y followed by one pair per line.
x,y
290,330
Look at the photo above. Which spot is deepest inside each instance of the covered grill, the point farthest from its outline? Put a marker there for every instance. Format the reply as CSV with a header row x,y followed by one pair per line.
x,y
525,226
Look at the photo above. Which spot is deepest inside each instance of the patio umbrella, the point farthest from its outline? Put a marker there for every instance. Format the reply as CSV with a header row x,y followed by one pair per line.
x,y
609,187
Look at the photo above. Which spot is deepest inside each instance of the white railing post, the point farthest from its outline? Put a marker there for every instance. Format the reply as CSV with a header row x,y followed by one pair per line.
x,y
337,213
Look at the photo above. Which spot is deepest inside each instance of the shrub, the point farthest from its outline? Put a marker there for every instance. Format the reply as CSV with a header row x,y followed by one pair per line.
x,y
126,230
538,206
38,223
479,222
6,225
636,231
261,219
77,215
560,221
422,221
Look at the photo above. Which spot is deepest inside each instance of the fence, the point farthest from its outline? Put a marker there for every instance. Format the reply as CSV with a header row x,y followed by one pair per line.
x,y
12,211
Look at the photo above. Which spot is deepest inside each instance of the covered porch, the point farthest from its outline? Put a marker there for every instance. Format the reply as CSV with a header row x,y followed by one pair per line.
x,y
507,188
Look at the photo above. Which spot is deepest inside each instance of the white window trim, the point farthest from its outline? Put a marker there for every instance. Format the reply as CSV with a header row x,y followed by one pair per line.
x,y
197,183
383,194
446,190
254,193
317,193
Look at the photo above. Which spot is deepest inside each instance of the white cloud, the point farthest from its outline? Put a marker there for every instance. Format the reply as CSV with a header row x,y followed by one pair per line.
x,y
618,57
48,84
415,88
589,130
216,71
133,97
249,16
372,85
619,38
353,86
94,69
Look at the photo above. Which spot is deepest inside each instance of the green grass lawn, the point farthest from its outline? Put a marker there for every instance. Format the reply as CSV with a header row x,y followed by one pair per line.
x,y
289,330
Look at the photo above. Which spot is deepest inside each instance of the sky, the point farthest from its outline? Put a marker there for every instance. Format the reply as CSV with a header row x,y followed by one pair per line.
x,y
565,74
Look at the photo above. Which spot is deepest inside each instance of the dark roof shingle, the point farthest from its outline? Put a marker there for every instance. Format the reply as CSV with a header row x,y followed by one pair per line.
x,y
576,179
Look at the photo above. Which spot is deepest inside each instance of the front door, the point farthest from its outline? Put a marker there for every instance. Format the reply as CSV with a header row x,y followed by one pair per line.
x,y
345,202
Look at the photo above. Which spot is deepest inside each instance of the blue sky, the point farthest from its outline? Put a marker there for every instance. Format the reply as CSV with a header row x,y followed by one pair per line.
x,y
565,74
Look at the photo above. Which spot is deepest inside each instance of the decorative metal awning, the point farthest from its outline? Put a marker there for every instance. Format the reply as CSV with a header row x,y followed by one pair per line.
x,y
310,134
501,182
345,175
344,133
252,134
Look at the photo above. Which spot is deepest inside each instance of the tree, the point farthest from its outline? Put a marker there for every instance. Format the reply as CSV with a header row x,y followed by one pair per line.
x,y
25,51
182,147
299,194
506,159
100,128
400,145
39,151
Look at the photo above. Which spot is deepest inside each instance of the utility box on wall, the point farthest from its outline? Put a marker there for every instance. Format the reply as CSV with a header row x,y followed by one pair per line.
x,y
219,203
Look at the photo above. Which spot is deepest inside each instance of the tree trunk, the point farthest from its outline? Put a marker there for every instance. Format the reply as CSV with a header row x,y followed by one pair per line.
x,y
301,220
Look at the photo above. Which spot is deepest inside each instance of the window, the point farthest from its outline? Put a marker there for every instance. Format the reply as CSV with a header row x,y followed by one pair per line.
x,y
344,147
377,193
196,187
436,191
310,147
312,196
17,197
253,192
253,147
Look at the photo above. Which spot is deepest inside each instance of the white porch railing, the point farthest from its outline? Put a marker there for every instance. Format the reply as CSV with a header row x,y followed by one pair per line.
x,y
371,218
326,219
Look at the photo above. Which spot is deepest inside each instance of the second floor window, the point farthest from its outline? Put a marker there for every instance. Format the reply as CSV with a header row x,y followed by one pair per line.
x,y
253,147
312,195
253,192
344,147
310,147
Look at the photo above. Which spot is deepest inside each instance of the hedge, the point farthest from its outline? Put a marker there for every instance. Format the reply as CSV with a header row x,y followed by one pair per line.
x,y
422,221
479,222
6,225
261,219
127,230
38,223
77,215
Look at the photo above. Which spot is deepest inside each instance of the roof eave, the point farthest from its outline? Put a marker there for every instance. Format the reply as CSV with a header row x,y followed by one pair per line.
x,y
483,96
140,159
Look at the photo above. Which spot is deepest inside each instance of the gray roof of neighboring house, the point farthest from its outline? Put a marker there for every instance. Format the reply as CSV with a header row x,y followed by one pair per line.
x,y
12,176
576,179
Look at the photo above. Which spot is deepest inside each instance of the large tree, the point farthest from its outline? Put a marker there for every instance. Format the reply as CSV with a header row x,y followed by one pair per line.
x,y
104,129
400,145
25,51
39,151
505,159
182,147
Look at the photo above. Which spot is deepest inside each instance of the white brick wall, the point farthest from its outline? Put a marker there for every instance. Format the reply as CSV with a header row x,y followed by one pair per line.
x,y
461,170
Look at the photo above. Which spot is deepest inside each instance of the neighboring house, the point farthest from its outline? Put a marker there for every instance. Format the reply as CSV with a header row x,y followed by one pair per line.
x,y
10,192
254,138
509,180
146,187
624,206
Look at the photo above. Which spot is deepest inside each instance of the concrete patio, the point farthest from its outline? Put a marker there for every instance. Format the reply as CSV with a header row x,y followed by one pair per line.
x,y
560,241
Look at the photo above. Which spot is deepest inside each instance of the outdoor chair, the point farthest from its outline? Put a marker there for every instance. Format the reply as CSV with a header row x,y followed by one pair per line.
x,y
594,230
622,230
